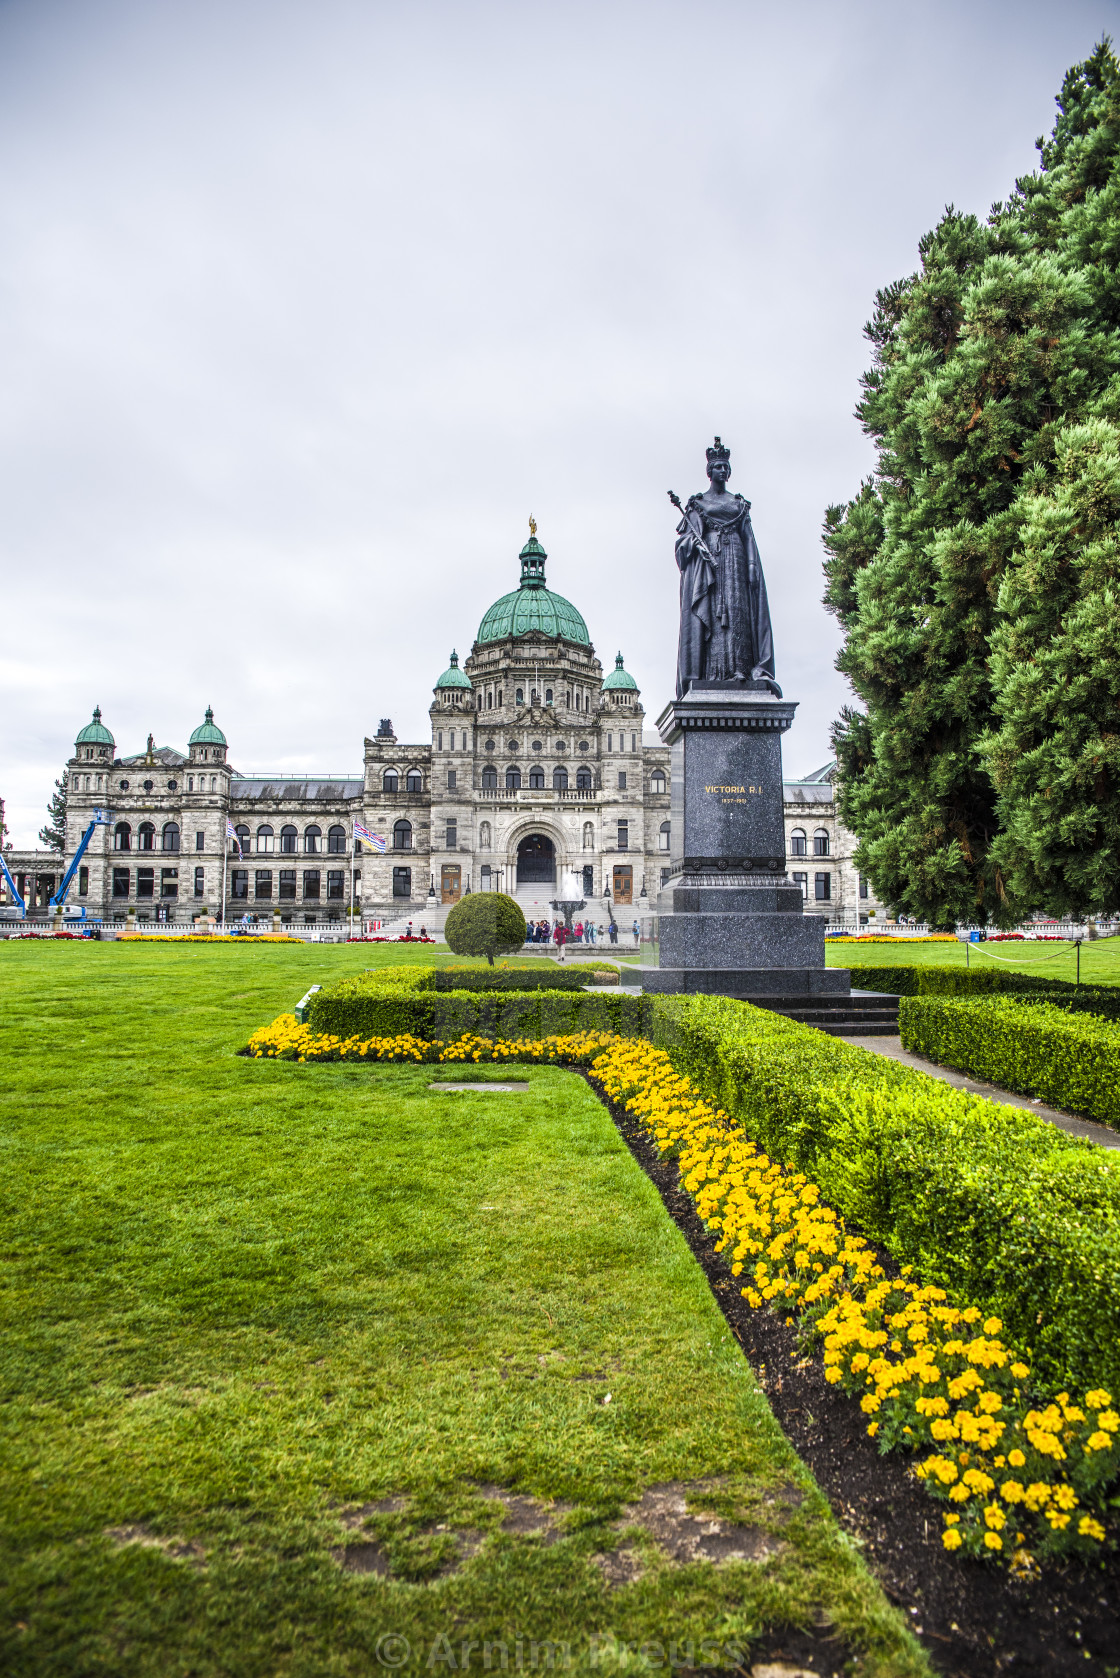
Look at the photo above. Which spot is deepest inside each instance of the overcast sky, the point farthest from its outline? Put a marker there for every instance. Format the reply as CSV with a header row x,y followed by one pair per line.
x,y
306,308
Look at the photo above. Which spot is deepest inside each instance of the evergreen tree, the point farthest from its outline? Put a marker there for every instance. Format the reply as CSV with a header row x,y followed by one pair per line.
x,y
984,360
53,835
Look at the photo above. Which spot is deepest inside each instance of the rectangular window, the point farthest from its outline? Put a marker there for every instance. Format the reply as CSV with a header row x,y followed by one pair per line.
x,y
802,880
633,742
452,835
264,884
452,779
439,738
120,882
664,875
145,882
453,739
83,881
310,883
402,882
200,841
169,882
200,882
239,883
823,888
863,888
336,884
190,783
610,742
624,836
287,883
622,780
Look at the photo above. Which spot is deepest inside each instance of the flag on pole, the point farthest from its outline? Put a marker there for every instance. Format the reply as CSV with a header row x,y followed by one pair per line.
x,y
373,840
232,833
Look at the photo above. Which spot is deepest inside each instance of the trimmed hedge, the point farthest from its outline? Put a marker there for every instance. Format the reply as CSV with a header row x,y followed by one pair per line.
x,y
352,1010
503,979
1070,1060
987,1201
936,980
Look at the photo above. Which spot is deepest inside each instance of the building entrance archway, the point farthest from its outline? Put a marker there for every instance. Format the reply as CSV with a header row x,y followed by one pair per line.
x,y
536,860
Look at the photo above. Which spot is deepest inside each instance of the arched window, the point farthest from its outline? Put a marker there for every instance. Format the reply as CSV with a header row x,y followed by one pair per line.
x,y
490,701
402,836
663,837
489,779
266,839
288,838
548,696
147,837
414,781
589,836
389,781
241,838
520,696
820,842
122,837
170,836
583,779
797,845
336,840
560,779
657,781
536,778
484,836
513,779
312,840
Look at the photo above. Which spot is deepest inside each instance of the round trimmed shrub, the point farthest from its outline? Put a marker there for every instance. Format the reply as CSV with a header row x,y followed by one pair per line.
x,y
487,923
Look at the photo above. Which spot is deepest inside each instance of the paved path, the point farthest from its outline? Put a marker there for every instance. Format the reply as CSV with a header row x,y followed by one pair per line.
x,y
1085,1128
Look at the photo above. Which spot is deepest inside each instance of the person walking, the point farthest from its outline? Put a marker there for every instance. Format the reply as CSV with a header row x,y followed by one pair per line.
x,y
614,932
637,931
577,933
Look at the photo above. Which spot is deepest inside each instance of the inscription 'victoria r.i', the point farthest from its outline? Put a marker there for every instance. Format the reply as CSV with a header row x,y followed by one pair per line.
x,y
732,790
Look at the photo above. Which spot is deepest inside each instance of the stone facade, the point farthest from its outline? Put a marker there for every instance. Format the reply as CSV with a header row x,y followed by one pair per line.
x,y
537,769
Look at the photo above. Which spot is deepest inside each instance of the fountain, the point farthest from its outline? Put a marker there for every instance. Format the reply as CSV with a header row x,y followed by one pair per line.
x,y
571,897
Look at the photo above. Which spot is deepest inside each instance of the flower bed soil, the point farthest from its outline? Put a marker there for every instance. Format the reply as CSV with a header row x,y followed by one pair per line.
x,y
974,1620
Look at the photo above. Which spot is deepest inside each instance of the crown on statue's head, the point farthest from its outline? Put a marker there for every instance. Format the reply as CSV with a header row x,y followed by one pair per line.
x,y
718,451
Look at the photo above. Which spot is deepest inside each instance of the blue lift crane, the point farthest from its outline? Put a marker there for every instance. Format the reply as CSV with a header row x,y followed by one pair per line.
x,y
100,819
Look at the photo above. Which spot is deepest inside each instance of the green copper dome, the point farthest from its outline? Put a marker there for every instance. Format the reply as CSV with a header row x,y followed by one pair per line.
x,y
95,733
533,608
208,733
453,677
620,678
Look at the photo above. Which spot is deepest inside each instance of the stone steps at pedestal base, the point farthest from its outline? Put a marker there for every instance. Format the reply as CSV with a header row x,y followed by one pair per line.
x,y
860,1014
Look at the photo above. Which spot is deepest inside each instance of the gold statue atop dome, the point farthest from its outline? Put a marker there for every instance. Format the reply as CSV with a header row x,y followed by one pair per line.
x,y
532,525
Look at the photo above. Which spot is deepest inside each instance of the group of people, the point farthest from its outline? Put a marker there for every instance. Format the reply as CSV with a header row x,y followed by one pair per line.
x,y
580,932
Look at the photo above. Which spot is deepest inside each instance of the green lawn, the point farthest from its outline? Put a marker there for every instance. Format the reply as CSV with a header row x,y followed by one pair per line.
x,y
246,1300
1100,960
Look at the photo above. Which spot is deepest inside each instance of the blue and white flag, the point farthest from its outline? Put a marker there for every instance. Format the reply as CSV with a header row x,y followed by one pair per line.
x,y
232,833
373,840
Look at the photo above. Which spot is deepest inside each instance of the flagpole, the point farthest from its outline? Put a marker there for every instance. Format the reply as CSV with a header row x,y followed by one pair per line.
x,y
353,860
225,865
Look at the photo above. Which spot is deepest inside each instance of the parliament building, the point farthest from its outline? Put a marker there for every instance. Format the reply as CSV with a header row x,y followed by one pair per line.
x,y
538,769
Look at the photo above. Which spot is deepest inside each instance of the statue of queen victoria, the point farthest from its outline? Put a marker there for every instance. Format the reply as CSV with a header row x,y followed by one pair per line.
x,y
725,617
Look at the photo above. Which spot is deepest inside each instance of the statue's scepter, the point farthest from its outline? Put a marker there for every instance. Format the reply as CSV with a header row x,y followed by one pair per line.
x,y
695,526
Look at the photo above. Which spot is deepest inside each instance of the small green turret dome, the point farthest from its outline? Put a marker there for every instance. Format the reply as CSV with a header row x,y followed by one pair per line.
x,y
453,677
620,678
208,733
95,733
533,608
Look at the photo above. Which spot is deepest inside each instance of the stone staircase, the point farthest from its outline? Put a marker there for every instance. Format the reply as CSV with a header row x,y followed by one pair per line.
x,y
863,1013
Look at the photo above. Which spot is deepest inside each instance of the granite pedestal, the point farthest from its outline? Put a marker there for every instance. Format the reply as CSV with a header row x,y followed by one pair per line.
x,y
732,923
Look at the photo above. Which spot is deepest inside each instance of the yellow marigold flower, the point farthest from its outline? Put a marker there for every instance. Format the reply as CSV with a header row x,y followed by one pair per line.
x,y
995,1517
1057,1521
872,1429
1016,1459
1011,1491
1098,1398
959,1493
1109,1420
1065,1497
833,1375
993,1541
1088,1528
1098,1442
951,1538
993,1326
